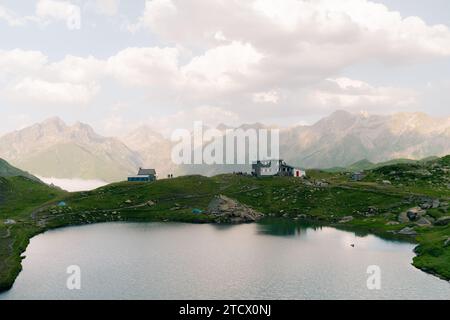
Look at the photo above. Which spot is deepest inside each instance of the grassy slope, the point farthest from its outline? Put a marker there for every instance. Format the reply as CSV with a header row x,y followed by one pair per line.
x,y
173,200
367,165
18,197
7,170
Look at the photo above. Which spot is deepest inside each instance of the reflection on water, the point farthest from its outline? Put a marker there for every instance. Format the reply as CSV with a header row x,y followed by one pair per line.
x,y
286,227
275,259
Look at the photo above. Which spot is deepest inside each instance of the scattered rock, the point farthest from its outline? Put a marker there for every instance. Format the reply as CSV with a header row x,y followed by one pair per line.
x,y
447,242
426,205
392,223
436,203
321,184
403,218
150,203
443,221
423,222
371,211
408,231
414,214
9,222
231,211
346,219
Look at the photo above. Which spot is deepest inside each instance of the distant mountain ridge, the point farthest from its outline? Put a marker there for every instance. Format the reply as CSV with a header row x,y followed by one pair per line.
x,y
54,149
343,138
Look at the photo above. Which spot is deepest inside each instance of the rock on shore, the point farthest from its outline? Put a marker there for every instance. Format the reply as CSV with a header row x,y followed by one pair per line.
x,y
228,210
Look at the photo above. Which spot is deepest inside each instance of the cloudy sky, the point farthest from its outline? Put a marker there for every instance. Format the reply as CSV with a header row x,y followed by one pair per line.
x,y
166,63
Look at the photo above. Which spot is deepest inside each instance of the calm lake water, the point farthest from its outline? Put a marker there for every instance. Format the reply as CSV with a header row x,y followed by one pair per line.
x,y
275,260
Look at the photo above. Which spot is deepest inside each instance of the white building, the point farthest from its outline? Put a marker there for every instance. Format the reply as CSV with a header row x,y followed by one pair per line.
x,y
267,168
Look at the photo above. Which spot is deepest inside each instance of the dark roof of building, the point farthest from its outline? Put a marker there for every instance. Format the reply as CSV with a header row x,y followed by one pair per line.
x,y
146,172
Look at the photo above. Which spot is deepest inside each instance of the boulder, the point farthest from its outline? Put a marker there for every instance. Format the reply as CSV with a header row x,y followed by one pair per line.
x,y
346,219
231,211
447,242
443,221
423,222
403,218
411,215
371,211
9,222
392,223
414,214
408,231
426,205
436,203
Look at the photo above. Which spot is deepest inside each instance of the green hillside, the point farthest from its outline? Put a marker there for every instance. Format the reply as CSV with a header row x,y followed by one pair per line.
x,y
376,205
367,165
19,197
7,170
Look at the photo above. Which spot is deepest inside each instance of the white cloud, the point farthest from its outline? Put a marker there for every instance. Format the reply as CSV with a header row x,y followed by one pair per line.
x,y
19,61
108,7
224,67
144,66
29,78
266,97
10,17
46,11
77,69
39,91
239,56
74,185
154,10
245,49
360,29
49,10
354,95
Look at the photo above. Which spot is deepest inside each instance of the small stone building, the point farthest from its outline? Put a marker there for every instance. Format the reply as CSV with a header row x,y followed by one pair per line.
x,y
144,175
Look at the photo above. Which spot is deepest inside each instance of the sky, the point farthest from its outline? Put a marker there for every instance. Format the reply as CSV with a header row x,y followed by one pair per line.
x,y
119,64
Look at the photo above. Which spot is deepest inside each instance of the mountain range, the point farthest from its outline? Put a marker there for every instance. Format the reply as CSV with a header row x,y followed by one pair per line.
x,y
55,149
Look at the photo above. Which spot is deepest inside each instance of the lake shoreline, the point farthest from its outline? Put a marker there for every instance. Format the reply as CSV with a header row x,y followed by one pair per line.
x,y
329,199
292,238
358,230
